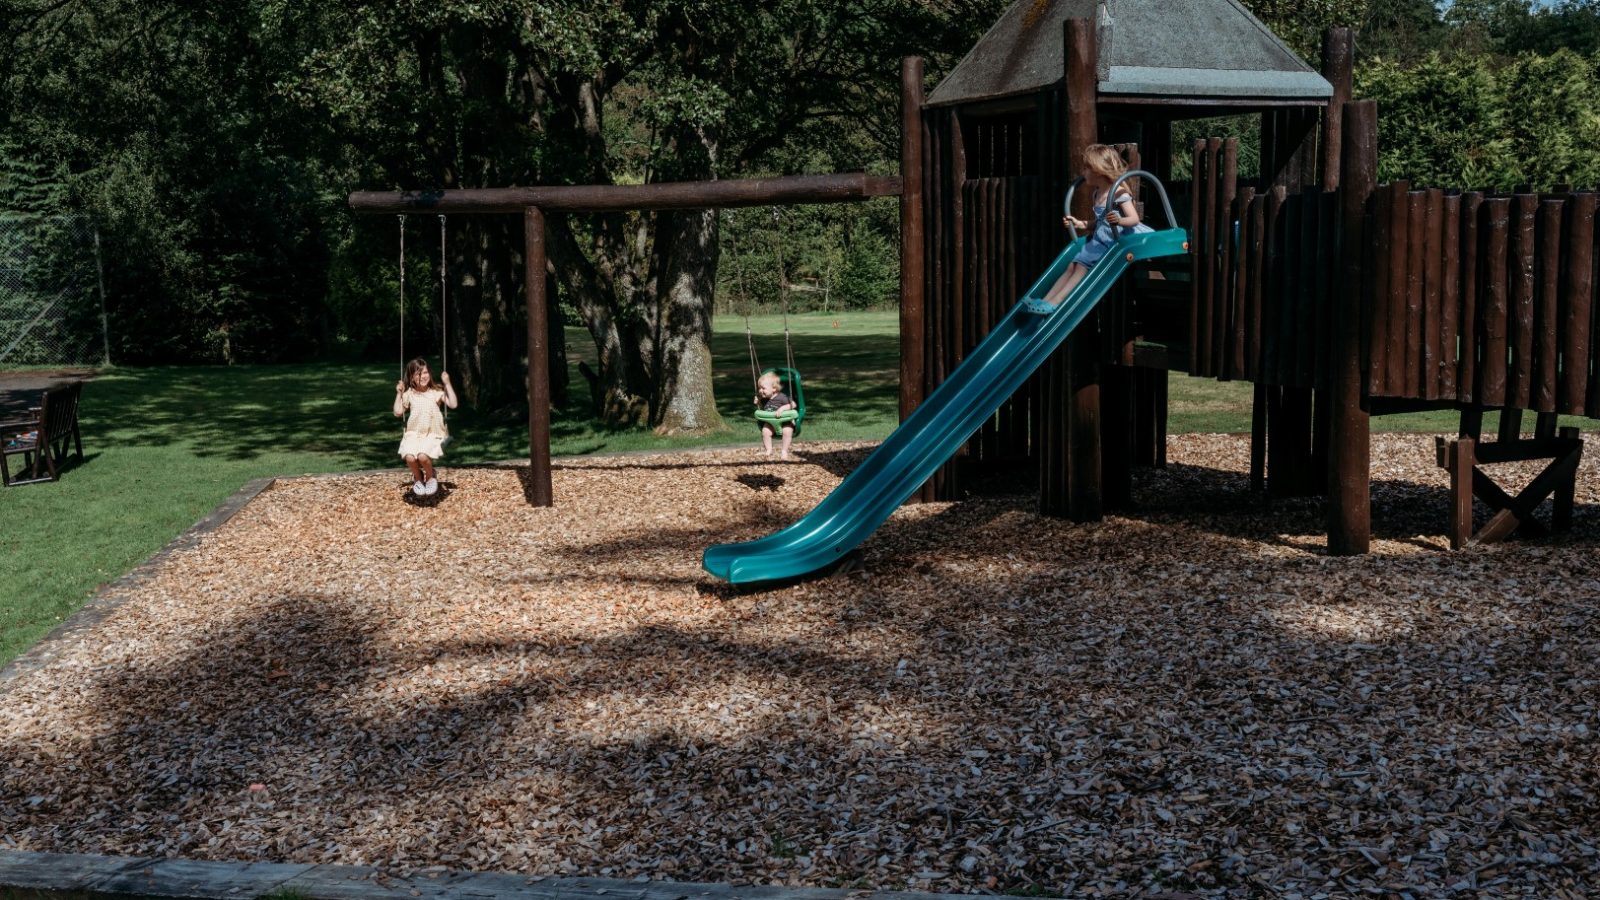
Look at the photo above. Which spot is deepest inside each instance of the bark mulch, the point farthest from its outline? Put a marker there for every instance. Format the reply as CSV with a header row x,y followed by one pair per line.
x,y
1189,699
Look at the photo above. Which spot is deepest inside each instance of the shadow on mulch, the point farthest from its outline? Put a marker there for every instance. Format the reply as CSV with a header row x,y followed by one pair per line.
x,y
411,498
1053,677
759,483
1221,501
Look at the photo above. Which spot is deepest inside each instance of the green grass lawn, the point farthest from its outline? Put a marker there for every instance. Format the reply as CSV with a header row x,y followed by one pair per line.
x,y
1207,405
166,445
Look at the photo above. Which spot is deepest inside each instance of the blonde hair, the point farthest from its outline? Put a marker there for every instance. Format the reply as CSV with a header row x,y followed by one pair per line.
x,y
1105,161
770,378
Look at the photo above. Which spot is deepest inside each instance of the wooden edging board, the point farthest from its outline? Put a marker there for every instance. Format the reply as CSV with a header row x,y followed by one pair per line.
x,y
134,876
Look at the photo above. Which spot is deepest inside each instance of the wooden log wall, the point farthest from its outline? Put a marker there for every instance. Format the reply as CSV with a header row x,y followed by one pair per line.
x,y
1485,300
1001,246
1264,267
987,237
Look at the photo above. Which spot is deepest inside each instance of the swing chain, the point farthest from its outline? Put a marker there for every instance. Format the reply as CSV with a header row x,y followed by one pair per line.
x,y
402,218
444,304
783,291
749,338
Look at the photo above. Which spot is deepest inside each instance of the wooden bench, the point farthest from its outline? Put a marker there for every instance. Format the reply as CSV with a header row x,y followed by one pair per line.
x,y
1510,515
42,439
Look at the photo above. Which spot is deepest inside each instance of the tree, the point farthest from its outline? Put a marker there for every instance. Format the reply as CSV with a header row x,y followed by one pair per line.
x,y
1403,30
1442,122
156,116
1301,23
470,94
1452,121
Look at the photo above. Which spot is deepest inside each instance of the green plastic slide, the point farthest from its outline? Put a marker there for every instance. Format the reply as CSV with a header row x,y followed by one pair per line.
x,y
992,372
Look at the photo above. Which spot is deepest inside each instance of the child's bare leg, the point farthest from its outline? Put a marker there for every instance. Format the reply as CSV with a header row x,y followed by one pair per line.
x,y
788,437
766,438
415,467
1066,283
426,463
1058,290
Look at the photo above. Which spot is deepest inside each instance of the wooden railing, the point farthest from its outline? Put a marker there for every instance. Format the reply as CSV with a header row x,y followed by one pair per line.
x,y
1484,299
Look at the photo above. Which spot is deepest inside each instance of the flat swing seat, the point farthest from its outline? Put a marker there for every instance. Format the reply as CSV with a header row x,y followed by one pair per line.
x,y
790,379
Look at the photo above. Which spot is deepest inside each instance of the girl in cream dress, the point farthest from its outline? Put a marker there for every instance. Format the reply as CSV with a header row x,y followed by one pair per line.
x,y
426,432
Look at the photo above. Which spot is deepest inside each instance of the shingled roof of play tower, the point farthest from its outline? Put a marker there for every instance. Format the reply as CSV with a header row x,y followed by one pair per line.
x,y
1211,48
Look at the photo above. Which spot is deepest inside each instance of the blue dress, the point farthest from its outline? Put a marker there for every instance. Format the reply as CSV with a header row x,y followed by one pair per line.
x,y
1105,234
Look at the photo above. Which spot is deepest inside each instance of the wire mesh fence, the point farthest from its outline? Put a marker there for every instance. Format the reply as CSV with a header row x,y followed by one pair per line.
x,y
52,309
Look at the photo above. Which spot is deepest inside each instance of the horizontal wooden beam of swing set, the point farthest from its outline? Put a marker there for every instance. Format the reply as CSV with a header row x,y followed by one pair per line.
x,y
836,188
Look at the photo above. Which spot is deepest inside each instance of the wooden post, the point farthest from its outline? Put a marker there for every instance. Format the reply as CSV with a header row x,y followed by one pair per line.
x,y
1519,392
1510,424
1471,259
1561,503
538,490
1221,289
1289,160
912,273
1338,68
1349,491
1117,436
1493,316
1461,461
1576,321
1083,416
1547,305
1432,293
1450,299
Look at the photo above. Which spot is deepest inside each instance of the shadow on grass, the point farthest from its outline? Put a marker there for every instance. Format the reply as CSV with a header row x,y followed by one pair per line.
x,y
343,411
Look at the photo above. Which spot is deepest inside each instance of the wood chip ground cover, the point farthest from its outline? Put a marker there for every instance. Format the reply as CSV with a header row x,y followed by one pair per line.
x,y
1189,698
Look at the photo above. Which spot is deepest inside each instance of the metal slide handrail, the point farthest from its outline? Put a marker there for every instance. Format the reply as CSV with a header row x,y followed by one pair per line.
x,y
1166,204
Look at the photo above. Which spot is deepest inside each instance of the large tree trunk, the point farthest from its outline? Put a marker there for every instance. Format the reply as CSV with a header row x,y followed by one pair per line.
x,y
484,315
684,400
623,390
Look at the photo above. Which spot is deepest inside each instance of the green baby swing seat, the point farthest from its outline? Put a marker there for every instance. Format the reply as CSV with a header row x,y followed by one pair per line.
x,y
790,379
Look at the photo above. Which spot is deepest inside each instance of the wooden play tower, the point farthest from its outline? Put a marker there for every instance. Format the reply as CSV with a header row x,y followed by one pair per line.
x,y
1339,300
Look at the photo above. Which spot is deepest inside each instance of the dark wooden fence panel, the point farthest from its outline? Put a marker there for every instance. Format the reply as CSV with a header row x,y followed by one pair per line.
x,y
1450,298
1577,304
1492,319
1483,300
1519,371
1546,313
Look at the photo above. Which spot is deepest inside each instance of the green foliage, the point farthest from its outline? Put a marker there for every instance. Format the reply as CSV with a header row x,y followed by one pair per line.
x,y
869,274
157,117
1451,121
1510,27
1301,23
1400,30
812,258
1552,116
1247,128
1439,121
29,188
